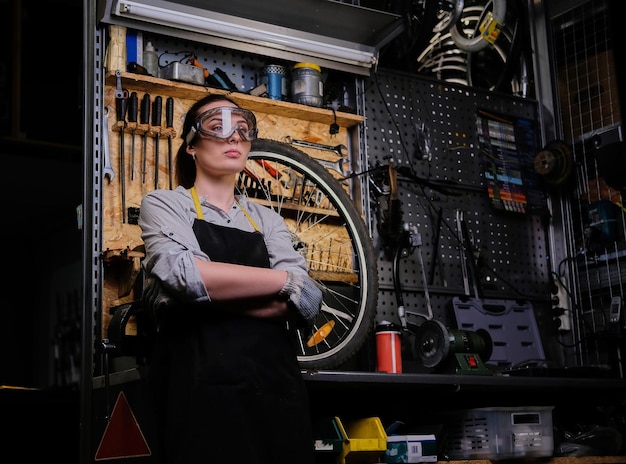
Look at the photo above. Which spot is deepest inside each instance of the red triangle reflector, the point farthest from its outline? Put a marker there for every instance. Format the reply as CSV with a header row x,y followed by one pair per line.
x,y
122,437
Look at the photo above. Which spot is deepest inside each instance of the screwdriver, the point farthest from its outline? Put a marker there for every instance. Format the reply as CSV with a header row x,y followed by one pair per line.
x,y
132,117
121,108
145,119
169,124
157,113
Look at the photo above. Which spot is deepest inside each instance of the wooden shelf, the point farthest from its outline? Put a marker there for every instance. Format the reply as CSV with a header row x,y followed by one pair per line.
x,y
159,86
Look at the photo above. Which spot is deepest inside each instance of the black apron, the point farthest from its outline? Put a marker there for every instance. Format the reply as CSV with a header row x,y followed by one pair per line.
x,y
229,387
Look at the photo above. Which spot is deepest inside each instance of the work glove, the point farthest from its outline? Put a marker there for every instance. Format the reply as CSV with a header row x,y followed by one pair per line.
x,y
303,294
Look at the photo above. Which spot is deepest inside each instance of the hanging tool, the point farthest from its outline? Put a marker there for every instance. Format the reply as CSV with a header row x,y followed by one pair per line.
x,y
107,170
169,124
145,120
436,261
459,232
468,245
132,120
318,146
468,263
194,61
269,168
157,114
121,104
389,212
415,242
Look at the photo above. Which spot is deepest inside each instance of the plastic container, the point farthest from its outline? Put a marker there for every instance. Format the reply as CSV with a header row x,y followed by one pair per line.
x,y
366,440
274,78
499,433
307,87
151,60
510,323
388,348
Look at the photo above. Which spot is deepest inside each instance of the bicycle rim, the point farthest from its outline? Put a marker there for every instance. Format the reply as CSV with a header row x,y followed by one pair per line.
x,y
328,230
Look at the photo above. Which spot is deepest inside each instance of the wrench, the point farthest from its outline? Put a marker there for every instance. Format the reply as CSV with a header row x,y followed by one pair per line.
x,y
318,146
335,165
107,170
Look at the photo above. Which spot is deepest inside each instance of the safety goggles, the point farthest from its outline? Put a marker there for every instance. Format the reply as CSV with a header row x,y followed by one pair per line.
x,y
222,122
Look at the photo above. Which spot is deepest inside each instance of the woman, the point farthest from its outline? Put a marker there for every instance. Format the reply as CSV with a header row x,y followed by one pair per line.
x,y
227,287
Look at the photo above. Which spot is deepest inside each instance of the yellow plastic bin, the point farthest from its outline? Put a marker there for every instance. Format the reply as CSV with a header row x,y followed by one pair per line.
x,y
365,440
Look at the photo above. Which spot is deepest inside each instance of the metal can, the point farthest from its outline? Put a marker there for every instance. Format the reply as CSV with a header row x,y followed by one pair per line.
x,y
274,78
307,87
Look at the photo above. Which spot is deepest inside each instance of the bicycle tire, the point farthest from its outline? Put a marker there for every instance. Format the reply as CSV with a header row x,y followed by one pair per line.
x,y
335,242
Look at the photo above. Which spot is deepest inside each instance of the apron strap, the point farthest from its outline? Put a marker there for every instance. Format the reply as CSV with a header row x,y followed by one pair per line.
x,y
196,202
248,216
200,214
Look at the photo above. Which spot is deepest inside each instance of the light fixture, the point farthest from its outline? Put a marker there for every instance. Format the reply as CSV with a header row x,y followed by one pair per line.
x,y
246,34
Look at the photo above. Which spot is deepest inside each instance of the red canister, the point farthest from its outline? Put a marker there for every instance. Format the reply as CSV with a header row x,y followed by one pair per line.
x,y
388,348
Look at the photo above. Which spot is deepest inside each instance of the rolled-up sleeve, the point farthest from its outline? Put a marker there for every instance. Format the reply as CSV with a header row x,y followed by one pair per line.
x,y
166,222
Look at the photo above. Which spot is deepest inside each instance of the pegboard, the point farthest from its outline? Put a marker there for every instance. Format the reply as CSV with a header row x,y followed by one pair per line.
x,y
432,128
242,69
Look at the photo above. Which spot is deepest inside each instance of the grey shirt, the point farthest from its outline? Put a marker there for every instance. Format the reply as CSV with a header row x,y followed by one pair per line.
x,y
166,219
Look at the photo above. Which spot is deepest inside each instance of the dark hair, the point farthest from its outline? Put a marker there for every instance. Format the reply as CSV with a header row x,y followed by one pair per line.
x,y
185,164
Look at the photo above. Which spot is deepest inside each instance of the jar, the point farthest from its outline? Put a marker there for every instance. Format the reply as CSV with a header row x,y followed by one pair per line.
x,y
307,87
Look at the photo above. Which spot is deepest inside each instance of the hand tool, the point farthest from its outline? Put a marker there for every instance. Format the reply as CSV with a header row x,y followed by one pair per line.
x,y
416,241
318,146
334,165
436,258
169,124
132,118
468,262
107,170
145,120
194,61
121,106
468,245
269,168
157,114
459,232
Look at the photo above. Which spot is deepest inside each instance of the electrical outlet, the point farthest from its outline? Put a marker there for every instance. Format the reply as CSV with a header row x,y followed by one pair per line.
x,y
562,301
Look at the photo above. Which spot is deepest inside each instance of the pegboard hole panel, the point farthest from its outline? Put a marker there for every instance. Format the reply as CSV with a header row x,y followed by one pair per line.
x,y
406,112
242,69
510,248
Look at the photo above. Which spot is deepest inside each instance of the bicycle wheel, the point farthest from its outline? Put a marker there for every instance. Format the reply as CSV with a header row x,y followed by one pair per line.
x,y
328,230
